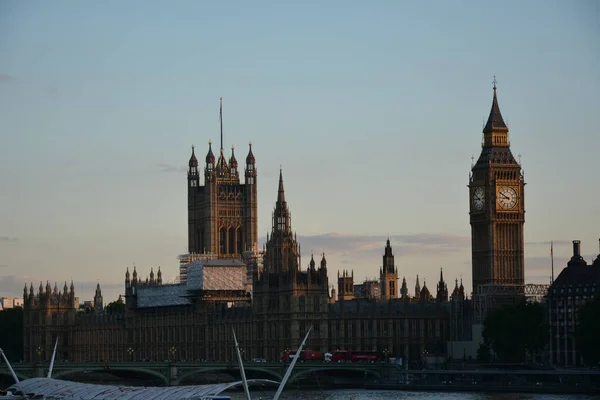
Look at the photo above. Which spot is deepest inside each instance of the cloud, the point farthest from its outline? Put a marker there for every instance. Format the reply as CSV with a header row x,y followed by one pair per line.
x,y
3,266
89,286
12,285
170,168
8,239
547,243
348,244
6,78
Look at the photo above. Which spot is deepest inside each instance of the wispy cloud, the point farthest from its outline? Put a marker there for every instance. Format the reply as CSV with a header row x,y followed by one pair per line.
x,y
170,168
348,244
3,266
547,243
5,78
8,239
89,286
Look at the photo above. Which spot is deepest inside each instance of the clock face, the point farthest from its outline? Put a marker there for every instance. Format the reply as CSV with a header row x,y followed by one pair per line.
x,y
478,198
507,197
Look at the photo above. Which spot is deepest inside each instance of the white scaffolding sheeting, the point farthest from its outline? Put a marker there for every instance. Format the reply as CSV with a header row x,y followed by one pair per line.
x,y
216,275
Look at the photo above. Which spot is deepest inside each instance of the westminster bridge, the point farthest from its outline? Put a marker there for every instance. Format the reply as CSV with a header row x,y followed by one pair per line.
x,y
175,373
322,373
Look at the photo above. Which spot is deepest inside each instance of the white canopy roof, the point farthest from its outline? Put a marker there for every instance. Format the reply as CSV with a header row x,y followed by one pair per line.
x,y
84,391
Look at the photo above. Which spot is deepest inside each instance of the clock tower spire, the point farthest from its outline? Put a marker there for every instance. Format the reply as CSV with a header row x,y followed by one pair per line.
x,y
497,210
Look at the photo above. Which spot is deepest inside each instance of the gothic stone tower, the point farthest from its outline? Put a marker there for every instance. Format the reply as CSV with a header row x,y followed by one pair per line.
x,y
497,209
222,214
388,275
287,300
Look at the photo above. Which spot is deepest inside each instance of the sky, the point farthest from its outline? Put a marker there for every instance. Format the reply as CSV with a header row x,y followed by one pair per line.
x,y
372,109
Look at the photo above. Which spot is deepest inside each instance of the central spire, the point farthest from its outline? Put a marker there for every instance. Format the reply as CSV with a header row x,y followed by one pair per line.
x,y
495,122
281,192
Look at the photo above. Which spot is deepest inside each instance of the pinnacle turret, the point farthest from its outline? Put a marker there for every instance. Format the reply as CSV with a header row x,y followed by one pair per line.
x,y
210,157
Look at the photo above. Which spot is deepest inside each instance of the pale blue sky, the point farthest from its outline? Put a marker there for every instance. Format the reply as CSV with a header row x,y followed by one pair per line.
x,y
373,109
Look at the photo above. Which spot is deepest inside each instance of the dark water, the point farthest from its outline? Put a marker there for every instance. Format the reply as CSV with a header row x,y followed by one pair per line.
x,y
359,394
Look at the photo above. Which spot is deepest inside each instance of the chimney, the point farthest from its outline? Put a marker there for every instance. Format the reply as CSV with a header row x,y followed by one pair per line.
x,y
576,248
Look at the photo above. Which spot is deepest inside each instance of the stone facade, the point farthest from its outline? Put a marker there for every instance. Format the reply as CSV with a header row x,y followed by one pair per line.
x,y
497,215
222,213
187,323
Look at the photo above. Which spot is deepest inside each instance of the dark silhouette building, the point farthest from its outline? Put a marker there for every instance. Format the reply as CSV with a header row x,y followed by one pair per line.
x,y
574,286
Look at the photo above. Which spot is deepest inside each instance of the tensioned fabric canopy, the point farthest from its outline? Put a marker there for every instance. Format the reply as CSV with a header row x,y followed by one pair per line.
x,y
56,388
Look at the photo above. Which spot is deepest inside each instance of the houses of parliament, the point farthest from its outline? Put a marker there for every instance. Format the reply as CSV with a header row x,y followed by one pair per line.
x,y
284,296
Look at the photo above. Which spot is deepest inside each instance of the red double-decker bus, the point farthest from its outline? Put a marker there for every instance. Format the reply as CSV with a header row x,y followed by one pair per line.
x,y
354,356
305,355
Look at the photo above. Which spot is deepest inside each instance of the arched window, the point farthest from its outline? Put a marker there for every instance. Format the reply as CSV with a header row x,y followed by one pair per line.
x,y
222,240
302,304
240,245
231,237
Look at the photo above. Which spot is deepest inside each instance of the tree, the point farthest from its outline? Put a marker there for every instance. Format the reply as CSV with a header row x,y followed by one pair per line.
x,y
513,332
11,333
484,354
587,331
116,307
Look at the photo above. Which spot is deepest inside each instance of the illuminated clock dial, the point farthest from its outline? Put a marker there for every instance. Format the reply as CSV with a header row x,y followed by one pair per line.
x,y
478,199
507,197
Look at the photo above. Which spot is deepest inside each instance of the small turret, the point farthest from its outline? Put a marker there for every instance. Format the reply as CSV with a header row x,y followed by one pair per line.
x,y
98,303
193,176
159,277
193,163
417,289
404,289
152,276
250,160
442,288
233,164
65,289
323,269
127,280
210,157
425,294
135,277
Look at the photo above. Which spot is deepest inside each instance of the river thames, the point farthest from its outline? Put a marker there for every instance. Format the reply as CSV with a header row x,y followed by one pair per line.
x,y
358,394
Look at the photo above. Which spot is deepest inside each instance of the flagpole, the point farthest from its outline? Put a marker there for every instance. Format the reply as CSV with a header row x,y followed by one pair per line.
x,y
221,119
552,258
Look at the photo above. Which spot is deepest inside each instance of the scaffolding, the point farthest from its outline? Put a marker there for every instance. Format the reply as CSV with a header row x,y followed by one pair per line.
x,y
492,296
187,259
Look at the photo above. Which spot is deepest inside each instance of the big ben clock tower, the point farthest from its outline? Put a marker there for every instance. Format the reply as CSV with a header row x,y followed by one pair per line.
x,y
497,209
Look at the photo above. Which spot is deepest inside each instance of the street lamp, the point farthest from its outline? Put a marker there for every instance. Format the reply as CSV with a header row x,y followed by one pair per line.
x,y
241,353
385,355
130,352
173,351
38,351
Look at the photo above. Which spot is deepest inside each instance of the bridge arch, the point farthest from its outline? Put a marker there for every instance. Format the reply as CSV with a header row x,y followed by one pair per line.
x,y
20,375
189,372
156,374
363,372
